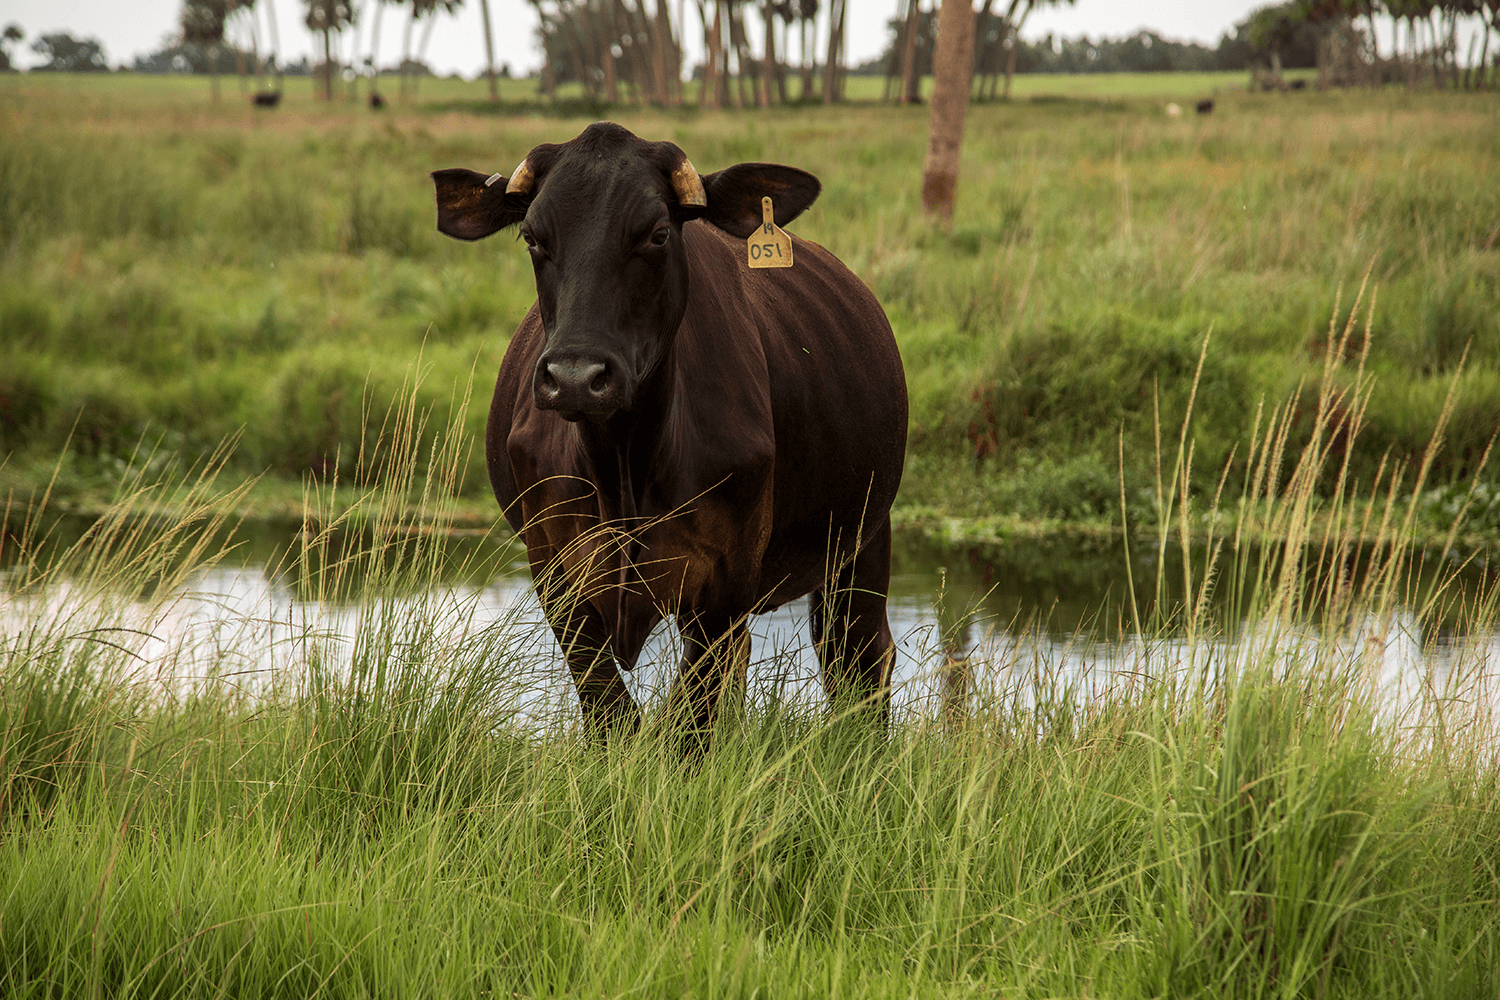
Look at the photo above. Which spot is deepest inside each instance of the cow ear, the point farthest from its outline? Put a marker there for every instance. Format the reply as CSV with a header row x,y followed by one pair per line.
x,y
471,206
734,195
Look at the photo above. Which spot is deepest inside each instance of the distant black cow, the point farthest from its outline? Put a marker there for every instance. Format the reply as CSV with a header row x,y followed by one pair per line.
x,y
377,102
1206,106
267,99
676,434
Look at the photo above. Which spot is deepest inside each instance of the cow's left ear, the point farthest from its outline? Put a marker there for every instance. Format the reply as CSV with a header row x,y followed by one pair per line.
x,y
471,206
734,195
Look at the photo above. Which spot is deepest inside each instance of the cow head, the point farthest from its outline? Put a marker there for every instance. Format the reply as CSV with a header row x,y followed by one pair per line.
x,y
602,217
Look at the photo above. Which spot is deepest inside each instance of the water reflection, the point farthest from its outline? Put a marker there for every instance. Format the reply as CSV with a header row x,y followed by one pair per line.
x,y
969,623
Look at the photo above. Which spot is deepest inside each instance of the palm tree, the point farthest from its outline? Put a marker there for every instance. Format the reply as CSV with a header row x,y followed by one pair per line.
x,y
203,29
326,17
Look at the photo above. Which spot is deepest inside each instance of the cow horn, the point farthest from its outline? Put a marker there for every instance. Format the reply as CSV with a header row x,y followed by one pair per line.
x,y
521,179
688,185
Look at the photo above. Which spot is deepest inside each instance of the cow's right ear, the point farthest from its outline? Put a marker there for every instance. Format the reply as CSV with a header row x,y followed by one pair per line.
x,y
471,206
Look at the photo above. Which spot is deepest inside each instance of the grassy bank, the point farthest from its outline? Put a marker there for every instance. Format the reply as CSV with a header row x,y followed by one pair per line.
x,y
173,273
1273,840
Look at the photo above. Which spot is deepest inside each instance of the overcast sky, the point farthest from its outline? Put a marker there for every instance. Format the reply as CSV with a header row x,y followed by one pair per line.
x,y
128,28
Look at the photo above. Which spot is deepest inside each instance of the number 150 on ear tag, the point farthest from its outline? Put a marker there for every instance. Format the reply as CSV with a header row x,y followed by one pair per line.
x,y
769,246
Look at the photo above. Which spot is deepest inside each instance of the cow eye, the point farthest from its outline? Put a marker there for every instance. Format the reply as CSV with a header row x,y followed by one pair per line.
x,y
535,248
660,236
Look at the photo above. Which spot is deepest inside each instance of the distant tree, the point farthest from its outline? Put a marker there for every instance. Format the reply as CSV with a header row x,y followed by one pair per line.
x,y
66,54
327,17
9,37
1283,36
202,24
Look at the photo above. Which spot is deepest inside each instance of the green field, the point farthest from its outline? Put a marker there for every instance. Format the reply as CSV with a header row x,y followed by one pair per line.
x,y
176,272
1242,813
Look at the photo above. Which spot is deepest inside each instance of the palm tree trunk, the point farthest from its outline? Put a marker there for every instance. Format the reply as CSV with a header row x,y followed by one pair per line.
x,y
981,56
375,49
1015,43
411,23
767,58
721,32
741,55
255,48
489,51
833,66
327,64
416,78
1484,57
708,89
662,43
610,32
243,69
950,99
275,45
808,28
910,85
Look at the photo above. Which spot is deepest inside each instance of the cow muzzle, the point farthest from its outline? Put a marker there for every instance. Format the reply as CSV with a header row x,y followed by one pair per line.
x,y
577,387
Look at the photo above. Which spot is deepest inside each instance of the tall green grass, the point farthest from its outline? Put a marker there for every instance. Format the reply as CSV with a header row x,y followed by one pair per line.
x,y
1240,812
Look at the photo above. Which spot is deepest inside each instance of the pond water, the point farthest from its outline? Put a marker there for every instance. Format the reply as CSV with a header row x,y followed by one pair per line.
x,y
1023,616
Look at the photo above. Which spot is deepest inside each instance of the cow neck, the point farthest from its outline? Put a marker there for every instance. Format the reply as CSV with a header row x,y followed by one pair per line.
x,y
612,449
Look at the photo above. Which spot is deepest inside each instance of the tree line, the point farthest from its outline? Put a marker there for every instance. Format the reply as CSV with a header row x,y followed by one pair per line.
x,y
1341,38
617,50
1338,38
759,52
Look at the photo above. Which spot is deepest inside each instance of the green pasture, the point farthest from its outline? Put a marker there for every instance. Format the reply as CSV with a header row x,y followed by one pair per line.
x,y
175,273
191,295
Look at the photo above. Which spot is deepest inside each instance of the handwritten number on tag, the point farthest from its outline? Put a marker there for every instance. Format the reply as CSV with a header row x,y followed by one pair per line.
x,y
770,246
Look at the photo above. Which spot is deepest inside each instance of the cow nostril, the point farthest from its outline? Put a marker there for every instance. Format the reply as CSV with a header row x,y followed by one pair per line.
x,y
583,385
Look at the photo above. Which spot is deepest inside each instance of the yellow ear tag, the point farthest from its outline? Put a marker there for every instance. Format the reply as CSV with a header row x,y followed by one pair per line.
x,y
769,246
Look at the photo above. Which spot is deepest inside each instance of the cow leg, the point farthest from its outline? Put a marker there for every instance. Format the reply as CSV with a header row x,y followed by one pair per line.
x,y
850,630
602,696
715,659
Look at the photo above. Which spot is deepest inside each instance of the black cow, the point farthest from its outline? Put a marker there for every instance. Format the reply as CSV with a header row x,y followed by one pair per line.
x,y
673,433
267,99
